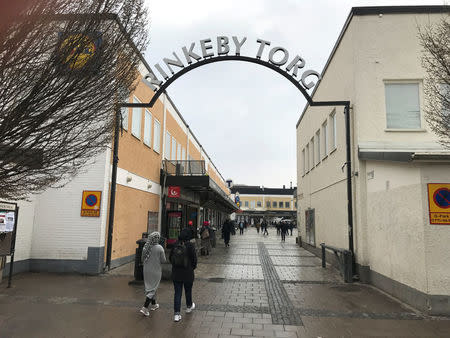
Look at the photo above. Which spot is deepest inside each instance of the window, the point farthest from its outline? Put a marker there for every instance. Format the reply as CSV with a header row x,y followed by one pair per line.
x,y
174,149
259,204
280,204
183,154
147,128
311,150
295,205
179,152
156,135
307,158
444,91
318,146
167,146
252,204
124,112
246,204
325,138
136,120
268,204
402,106
303,162
286,204
333,130
274,204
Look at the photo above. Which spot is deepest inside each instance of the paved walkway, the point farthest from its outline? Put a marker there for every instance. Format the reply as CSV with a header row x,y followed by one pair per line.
x,y
257,287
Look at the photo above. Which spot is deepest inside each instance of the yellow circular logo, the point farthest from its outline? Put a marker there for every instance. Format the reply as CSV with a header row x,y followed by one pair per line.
x,y
79,49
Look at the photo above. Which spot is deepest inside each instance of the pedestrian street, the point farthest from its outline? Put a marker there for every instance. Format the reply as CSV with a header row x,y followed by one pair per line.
x,y
257,287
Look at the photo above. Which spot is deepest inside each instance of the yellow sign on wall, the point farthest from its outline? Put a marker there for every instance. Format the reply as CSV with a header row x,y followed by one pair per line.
x,y
90,203
439,203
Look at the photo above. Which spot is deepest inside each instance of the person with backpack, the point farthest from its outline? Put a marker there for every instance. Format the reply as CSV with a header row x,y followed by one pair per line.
x,y
184,261
152,258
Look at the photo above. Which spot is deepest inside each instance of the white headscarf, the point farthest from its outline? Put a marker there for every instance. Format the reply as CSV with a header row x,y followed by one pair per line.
x,y
152,240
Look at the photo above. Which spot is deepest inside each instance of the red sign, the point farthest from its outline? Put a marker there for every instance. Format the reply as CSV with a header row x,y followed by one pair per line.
x,y
174,192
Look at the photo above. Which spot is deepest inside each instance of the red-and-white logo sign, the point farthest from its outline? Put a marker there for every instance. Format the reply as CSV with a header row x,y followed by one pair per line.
x,y
174,192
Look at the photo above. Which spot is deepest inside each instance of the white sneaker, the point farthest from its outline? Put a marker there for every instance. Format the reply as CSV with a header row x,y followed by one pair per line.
x,y
144,311
189,309
177,318
154,307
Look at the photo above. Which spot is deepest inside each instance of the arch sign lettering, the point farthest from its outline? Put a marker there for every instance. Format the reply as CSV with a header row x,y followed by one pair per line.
x,y
225,49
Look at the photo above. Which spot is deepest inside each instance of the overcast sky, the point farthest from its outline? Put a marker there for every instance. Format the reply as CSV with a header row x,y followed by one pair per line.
x,y
243,114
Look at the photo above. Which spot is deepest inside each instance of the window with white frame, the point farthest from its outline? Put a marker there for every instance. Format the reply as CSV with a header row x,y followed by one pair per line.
x,y
252,204
246,204
156,135
183,154
318,158
179,152
307,157
174,149
312,150
147,128
444,92
303,162
136,120
167,145
287,205
259,204
124,113
325,138
402,106
333,130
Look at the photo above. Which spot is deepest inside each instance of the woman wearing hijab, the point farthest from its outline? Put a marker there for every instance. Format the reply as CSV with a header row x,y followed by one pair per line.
x,y
152,258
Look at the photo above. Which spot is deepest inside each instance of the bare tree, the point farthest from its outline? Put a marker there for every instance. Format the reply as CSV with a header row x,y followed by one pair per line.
x,y
64,65
435,40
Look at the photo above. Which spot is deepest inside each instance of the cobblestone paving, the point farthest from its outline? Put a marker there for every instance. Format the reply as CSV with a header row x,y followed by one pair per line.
x,y
258,287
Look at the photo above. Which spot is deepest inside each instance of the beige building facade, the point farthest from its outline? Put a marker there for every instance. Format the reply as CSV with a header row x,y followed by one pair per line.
x,y
376,65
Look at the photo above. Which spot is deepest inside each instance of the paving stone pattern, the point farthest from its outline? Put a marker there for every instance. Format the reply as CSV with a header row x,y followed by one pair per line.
x,y
281,308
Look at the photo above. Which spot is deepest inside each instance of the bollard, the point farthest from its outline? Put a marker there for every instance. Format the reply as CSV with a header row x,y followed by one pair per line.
x,y
348,266
324,262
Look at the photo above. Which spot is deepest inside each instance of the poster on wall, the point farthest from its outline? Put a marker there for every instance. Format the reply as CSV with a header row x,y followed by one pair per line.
x,y
439,203
7,221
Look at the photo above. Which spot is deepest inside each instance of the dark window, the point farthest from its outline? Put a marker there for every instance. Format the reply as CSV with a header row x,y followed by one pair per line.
x,y
286,204
258,204
280,204
274,204
268,204
246,204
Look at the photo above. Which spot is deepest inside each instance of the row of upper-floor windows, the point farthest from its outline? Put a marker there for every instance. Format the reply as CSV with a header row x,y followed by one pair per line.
x,y
402,103
152,133
269,204
152,127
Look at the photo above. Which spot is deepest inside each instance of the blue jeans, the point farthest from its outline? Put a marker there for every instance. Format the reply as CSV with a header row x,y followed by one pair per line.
x,y
178,286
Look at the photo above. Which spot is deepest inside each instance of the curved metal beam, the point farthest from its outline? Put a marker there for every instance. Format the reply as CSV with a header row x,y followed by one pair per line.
x,y
229,58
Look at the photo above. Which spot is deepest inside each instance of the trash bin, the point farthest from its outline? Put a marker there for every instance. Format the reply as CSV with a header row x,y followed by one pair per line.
x,y
213,237
138,267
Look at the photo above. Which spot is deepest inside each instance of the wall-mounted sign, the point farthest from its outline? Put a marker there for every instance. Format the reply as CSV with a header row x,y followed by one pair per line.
x,y
223,46
90,203
174,192
77,49
439,203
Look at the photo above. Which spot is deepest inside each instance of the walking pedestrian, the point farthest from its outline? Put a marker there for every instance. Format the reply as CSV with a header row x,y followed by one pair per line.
x,y
291,227
205,235
258,225
184,261
152,258
284,230
264,225
226,230
241,228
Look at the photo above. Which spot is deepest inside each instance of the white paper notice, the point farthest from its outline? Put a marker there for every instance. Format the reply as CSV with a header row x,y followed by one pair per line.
x,y
9,221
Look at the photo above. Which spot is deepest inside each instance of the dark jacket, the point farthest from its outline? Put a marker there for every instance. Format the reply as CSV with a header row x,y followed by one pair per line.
x,y
182,274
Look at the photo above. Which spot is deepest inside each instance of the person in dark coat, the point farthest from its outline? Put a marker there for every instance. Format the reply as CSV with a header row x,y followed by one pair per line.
x,y
183,274
226,230
284,230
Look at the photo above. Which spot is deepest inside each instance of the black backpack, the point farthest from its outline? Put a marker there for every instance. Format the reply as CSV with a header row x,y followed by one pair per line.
x,y
179,256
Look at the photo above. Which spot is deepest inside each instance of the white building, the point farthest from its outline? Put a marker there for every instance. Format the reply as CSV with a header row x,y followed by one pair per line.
x,y
376,65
